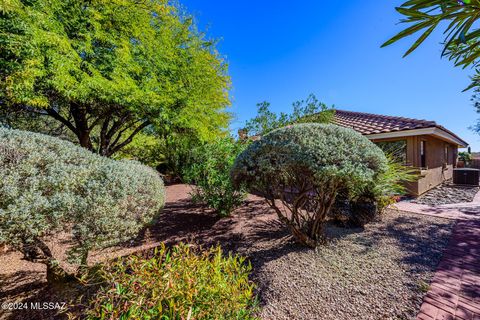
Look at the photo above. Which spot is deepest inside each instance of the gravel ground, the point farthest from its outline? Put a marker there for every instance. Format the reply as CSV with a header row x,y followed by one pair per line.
x,y
447,193
381,272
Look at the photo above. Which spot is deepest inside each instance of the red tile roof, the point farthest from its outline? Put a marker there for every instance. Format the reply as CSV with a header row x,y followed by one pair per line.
x,y
367,123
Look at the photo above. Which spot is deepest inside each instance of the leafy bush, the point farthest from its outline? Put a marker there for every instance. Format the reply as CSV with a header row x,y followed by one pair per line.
x,y
48,185
175,284
392,182
466,157
210,172
362,205
145,148
303,168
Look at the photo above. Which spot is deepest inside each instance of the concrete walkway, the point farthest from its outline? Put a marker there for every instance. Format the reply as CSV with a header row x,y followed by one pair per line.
x,y
455,289
457,211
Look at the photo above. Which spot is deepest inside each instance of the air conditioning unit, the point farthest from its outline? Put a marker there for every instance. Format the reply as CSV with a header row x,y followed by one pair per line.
x,y
466,176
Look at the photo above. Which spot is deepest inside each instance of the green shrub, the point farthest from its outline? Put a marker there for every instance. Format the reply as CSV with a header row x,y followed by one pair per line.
x,y
392,182
48,185
303,168
362,205
466,157
210,173
145,148
175,284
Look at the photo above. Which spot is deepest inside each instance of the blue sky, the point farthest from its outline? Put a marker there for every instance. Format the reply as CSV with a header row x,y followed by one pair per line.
x,y
281,51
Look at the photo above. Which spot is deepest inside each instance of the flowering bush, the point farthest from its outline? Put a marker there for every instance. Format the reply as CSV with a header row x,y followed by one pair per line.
x,y
180,283
48,185
302,168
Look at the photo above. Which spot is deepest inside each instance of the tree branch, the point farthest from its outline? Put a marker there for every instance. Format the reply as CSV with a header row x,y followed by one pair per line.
x,y
130,138
54,114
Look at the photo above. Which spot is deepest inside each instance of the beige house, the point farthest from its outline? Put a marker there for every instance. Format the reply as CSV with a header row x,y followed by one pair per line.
x,y
422,144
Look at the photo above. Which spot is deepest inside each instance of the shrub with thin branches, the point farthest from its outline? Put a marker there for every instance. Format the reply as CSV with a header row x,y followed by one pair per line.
x,y
300,170
209,172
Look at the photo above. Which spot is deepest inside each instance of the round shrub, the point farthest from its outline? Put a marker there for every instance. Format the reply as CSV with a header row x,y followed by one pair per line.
x,y
302,168
48,185
180,283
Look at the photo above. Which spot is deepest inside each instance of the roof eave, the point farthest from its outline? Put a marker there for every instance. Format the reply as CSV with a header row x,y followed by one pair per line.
x,y
435,131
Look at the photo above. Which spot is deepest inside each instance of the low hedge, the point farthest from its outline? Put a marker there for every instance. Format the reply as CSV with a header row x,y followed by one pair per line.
x,y
48,185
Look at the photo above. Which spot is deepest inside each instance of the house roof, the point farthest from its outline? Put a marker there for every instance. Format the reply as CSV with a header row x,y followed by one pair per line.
x,y
381,126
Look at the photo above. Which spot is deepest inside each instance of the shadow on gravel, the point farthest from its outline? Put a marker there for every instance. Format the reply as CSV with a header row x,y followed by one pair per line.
x,y
181,219
29,299
423,244
18,282
252,231
249,228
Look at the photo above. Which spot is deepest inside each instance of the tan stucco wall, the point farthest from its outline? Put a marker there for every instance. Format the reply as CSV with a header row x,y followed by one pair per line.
x,y
438,168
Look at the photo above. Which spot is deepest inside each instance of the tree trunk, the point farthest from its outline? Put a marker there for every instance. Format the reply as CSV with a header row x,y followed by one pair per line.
x,y
81,123
55,274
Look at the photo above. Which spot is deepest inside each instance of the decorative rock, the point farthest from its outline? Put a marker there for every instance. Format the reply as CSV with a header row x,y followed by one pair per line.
x,y
447,193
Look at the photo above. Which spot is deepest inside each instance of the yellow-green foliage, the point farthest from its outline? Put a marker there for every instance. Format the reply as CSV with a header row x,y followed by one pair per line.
x,y
146,148
391,182
177,283
109,67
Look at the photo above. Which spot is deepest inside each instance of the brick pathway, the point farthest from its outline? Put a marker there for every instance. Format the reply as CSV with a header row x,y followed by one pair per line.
x,y
455,289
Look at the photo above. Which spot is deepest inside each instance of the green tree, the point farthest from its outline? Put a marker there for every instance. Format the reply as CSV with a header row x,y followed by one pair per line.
x,y
309,110
168,152
466,157
107,70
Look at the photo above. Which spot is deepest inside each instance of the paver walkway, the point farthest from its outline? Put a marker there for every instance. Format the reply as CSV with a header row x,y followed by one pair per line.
x,y
455,289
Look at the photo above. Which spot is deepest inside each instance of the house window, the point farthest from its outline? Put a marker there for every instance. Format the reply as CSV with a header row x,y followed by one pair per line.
x,y
396,149
446,159
423,151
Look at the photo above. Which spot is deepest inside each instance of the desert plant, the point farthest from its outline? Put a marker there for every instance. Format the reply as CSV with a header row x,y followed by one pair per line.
x,y
210,173
177,283
300,169
48,185
392,183
465,157
369,203
95,68
362,205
